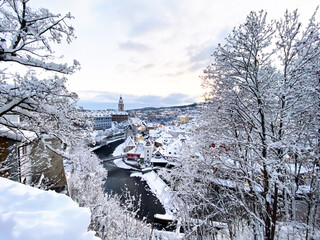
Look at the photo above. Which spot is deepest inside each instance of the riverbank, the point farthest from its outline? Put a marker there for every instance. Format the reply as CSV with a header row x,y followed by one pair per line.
x,y
119,182
160,189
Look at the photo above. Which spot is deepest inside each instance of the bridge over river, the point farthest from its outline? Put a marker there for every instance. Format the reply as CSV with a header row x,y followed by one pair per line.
x,y
110,158
107,140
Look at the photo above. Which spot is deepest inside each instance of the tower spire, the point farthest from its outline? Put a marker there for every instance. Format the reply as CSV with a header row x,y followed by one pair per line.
x,y
121,104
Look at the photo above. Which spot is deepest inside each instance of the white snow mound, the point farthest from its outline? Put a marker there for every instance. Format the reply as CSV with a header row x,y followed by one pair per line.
x,y
32,214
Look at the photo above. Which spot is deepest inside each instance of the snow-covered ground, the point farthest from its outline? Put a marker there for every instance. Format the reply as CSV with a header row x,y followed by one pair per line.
x,y
160,189
27,213
122,164
119,150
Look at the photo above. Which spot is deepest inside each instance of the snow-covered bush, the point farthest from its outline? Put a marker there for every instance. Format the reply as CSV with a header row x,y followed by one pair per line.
x,y
110,219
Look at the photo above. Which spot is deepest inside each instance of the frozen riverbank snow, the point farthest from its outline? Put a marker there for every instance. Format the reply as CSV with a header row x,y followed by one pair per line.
x,y
122,164
119,150
27,213
160,189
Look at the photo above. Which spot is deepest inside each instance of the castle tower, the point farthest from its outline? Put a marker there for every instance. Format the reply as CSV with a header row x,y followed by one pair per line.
x,y
148,147
121,105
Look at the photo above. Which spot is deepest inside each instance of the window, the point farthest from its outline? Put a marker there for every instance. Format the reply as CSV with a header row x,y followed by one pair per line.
x,y
22,151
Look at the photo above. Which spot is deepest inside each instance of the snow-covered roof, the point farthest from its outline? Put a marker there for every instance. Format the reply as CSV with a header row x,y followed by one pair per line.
x,y
135,120
160,150
182,137
164,138
98,113
173,149
17,135
148,143
13,118
151,125
129,142
138,135
101,115
119,113
154,133
160,140
139,149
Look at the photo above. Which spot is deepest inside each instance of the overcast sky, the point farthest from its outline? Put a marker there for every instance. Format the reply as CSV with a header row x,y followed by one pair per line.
x,y
151,52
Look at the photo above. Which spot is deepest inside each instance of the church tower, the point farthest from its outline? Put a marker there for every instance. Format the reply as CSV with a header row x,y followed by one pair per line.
x,y
120,105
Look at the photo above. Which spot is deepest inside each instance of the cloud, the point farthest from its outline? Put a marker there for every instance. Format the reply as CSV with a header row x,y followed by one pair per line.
x,y
197,66
147,66
170,100
174,74
200,56
99,96
147,25
109,100
134,46
96,105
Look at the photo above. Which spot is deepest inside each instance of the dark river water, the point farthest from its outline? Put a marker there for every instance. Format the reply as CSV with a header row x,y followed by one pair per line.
x,y
119,180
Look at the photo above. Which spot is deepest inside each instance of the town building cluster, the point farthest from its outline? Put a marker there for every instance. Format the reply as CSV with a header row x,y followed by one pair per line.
x,y
154,144
148,143
165,115
102,119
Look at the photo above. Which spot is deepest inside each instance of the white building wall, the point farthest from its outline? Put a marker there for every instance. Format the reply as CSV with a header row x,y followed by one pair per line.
x,y
148,152
102,122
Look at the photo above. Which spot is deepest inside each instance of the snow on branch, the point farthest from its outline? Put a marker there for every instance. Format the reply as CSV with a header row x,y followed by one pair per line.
x,y
26,35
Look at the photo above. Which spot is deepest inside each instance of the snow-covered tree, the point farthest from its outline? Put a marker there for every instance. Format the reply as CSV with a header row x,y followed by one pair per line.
x,y
109,218
26,35
258,146
44,106
296,128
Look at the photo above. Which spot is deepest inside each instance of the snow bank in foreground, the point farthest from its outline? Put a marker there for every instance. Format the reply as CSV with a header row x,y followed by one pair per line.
x,y
30,214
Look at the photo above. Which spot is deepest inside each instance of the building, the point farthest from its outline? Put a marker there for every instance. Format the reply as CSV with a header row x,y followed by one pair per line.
x,y
120,115
129,144
184,119
102,121
10,152
120,105
136,153
27,159
148,149
14,146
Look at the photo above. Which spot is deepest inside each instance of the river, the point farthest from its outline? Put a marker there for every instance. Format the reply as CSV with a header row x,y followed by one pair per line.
x,y
119,180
